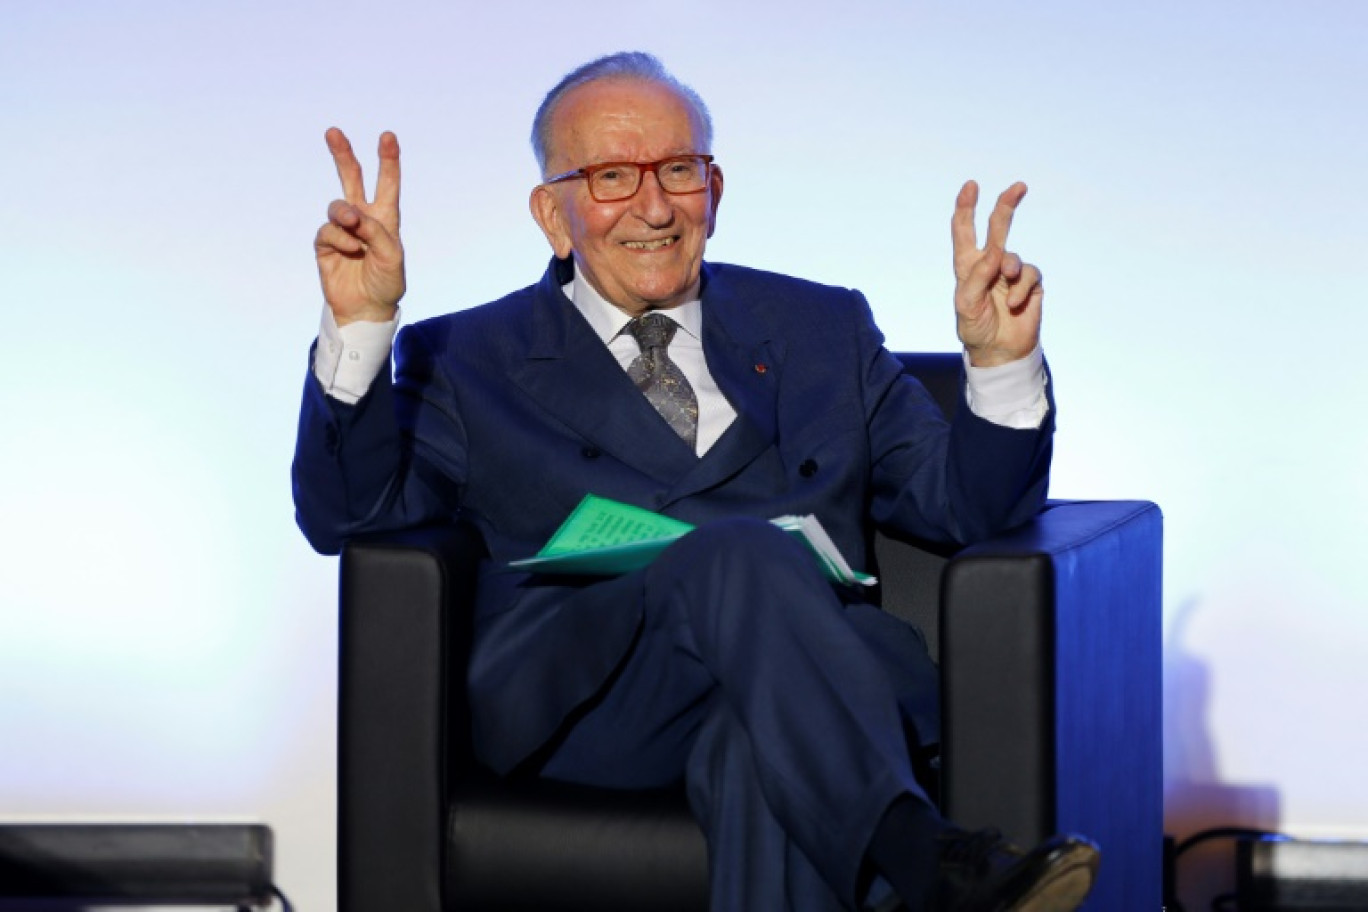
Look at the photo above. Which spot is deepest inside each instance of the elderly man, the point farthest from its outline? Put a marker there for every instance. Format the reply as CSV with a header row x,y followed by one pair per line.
x,y
788,707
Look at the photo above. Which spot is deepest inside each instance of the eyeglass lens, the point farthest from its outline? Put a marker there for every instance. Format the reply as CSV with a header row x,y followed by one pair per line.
x,y
685,174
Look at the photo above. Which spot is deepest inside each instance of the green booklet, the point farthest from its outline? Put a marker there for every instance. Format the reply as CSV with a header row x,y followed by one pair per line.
x,y
603,537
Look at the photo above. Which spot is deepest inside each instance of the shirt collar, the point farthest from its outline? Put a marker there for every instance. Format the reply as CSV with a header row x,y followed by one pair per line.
x,y
608,321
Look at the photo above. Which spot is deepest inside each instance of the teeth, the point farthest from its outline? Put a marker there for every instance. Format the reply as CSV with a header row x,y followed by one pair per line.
x,y
650,245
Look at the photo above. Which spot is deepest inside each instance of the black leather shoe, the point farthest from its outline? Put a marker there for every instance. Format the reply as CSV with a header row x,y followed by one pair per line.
x,y
982,872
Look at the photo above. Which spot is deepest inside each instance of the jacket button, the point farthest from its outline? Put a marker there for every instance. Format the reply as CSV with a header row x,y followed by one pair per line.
x,y
808,468
591,452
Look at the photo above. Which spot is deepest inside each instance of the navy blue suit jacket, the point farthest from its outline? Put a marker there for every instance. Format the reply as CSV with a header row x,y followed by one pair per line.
x,y
511,412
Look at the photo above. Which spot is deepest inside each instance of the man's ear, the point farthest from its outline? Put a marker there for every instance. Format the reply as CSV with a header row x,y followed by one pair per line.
x,y
715,188
547,212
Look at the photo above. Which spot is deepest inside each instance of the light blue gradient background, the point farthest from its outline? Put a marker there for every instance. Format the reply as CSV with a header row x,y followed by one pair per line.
x,y
1198,196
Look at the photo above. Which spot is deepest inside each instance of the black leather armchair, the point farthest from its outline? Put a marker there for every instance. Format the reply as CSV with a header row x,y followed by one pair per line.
x,y
1048,640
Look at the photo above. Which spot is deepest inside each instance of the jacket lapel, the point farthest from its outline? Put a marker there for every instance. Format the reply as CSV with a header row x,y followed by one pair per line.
x,y
747,365
569,372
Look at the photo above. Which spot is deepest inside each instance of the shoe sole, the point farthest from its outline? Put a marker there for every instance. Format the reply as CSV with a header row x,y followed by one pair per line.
x,y
1069,881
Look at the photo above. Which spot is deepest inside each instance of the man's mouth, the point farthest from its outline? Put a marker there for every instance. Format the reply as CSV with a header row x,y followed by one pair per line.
x,y
657,244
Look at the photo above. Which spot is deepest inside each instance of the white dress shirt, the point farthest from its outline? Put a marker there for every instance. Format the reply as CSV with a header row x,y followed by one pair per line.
x,y
715,413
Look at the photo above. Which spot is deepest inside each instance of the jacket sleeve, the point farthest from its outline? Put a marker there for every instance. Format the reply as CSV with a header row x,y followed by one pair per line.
x,y
357,467
960,480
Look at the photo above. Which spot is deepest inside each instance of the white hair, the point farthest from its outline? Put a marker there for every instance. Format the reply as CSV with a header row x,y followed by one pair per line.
x,y
623,65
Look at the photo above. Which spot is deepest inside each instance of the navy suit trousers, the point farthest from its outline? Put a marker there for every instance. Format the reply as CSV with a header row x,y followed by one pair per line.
x,y
785,708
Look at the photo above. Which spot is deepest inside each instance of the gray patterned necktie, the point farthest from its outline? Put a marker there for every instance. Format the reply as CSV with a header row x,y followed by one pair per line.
x,y
663,383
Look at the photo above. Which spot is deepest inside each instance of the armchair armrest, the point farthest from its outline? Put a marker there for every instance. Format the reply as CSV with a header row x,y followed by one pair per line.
x,y
394,714
1050,640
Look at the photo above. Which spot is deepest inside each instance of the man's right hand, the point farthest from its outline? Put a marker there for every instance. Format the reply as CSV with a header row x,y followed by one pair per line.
x,y
360,257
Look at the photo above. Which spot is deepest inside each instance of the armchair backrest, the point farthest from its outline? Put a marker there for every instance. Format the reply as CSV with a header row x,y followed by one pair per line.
x,y
942,373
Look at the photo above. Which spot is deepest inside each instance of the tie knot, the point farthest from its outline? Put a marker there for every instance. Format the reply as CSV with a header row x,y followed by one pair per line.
x,y
653,330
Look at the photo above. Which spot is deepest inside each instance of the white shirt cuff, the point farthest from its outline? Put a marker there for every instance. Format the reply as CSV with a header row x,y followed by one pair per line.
x,y
1011,395
347,359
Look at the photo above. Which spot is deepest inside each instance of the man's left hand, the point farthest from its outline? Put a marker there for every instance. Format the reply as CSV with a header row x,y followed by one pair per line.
x,y
997,297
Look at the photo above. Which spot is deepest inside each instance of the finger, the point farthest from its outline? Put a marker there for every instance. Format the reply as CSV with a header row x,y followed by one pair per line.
x,y
1032,306
333,239
1001,220
344,214
348,168
1029,286
376,237
387,182
1011,266
984,273
962,235
371,233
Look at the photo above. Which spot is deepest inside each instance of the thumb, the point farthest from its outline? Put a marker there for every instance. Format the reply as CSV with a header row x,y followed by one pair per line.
x,y
983,274
376,236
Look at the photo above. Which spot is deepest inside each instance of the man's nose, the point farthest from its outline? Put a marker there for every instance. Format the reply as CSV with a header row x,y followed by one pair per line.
x,y
652,203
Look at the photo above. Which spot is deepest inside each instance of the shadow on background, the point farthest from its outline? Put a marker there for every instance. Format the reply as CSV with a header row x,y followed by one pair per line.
x,y
1195,798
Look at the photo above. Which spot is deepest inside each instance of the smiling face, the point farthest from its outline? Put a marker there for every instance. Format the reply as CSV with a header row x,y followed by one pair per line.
x,y
640,253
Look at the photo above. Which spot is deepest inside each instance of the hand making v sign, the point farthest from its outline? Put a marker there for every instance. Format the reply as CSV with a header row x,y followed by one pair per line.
x,y
997,296
360,257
